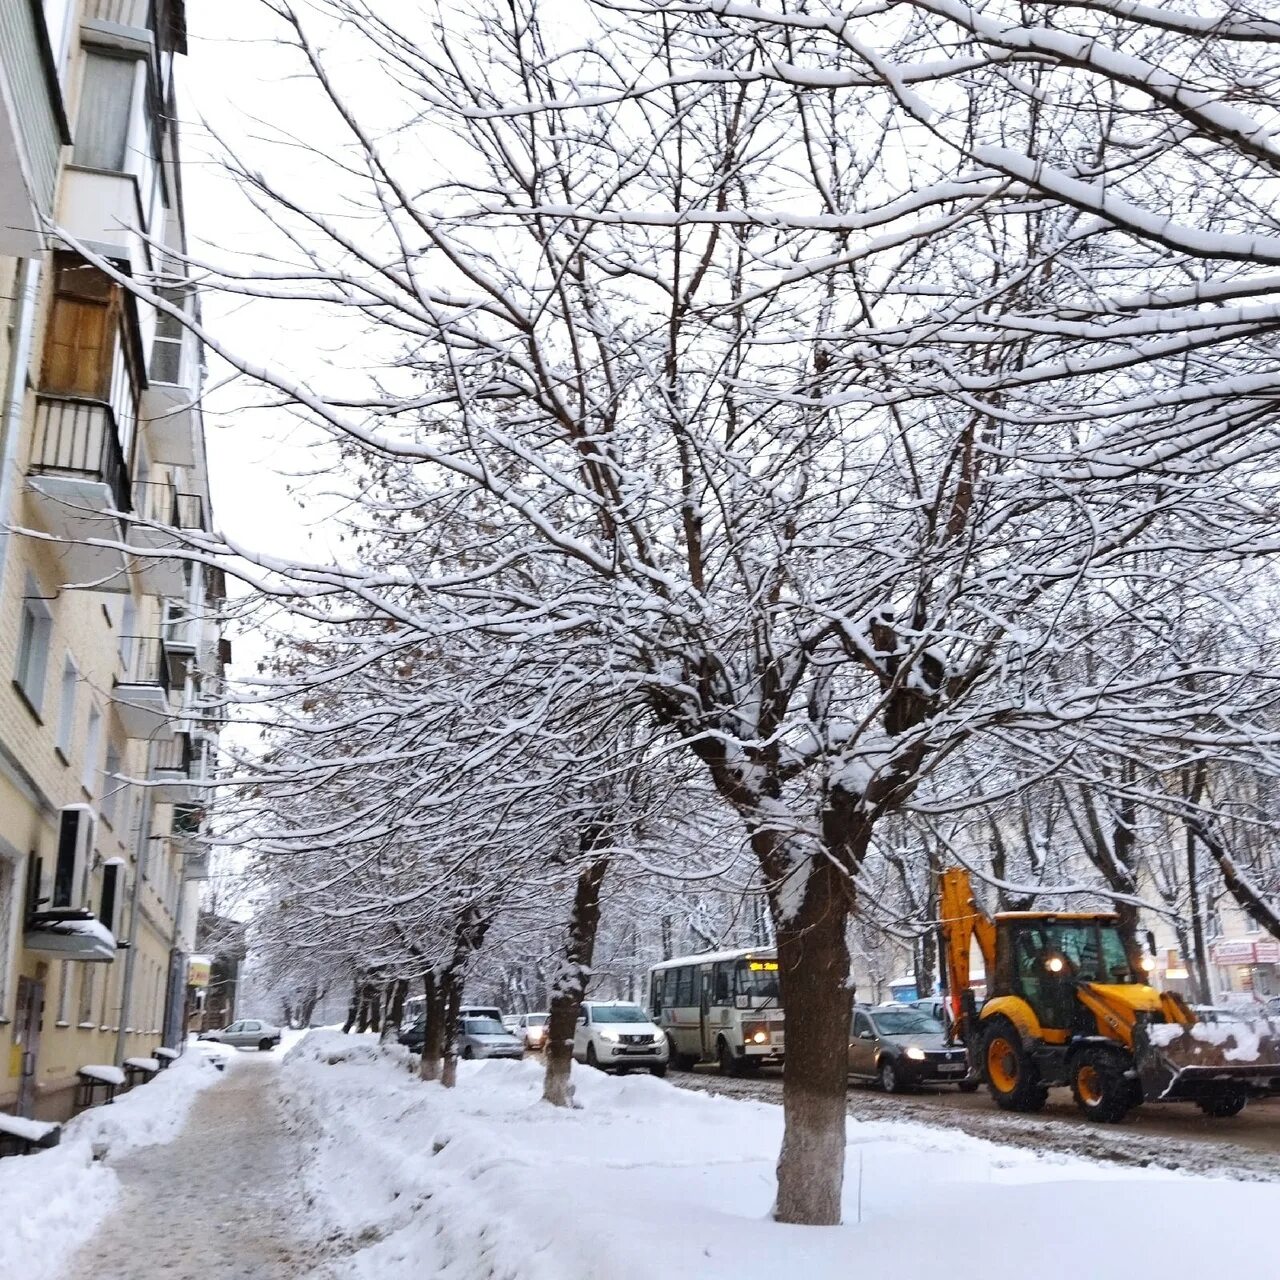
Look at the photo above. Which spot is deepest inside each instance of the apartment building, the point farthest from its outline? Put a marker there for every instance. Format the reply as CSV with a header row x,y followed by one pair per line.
x,y
107,654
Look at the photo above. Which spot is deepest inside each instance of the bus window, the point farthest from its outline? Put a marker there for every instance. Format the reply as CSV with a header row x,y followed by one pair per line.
x,y
682,989
757,983
721,992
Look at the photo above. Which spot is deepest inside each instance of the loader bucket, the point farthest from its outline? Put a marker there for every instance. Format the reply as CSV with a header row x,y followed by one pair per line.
x,y
1208,1059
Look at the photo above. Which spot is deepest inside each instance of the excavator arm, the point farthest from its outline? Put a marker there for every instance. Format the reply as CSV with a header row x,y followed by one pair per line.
x,y
960,921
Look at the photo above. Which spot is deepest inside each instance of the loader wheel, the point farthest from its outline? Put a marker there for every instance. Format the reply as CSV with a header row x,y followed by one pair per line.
x,y
1223,1108
1100,1087
1012,1077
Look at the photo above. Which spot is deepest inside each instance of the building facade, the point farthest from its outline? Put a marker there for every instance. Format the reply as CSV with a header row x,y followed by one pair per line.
x,y
108,648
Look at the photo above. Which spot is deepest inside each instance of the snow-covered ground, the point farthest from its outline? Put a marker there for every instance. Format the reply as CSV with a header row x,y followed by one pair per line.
x,y
647,1180
53,1201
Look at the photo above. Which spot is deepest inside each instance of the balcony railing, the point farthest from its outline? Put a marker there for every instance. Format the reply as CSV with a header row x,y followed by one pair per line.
x,y
77,437
159,501
147,662
188,820
174,756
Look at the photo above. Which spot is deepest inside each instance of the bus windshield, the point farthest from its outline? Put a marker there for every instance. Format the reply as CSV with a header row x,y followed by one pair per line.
x,y
757,983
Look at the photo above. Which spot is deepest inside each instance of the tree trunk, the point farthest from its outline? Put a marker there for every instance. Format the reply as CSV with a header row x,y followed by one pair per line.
x,y
451,1002
813,964
571,985
353,1010
433,1030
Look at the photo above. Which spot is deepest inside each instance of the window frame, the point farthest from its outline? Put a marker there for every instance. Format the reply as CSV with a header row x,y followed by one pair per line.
x,y
35,637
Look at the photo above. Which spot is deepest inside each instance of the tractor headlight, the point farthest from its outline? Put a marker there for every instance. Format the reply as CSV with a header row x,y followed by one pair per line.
x,y
1054,964
916,1055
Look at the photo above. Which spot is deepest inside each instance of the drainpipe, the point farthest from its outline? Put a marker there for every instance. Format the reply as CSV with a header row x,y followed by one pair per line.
x,y
135,896
26,291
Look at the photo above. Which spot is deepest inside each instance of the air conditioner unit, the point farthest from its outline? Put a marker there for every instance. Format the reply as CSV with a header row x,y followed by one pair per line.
x,y
75,847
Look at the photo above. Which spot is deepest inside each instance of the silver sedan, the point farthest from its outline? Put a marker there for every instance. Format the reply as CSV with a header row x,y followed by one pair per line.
x,y
248,1033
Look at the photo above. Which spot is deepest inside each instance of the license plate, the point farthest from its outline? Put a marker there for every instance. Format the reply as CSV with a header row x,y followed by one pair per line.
x,y
952,1068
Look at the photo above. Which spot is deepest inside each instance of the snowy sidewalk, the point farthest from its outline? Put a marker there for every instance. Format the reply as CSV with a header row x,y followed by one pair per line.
x,y
219,1202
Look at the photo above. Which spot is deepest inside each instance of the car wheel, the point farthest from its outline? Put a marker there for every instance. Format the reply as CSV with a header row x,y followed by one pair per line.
x,y
592,1058
1223,1108
1012,1077
890,1081
264,1045
468,1053
660,1070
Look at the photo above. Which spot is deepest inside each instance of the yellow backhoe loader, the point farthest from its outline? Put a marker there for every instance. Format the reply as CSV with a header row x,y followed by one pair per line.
x,y
1068,1003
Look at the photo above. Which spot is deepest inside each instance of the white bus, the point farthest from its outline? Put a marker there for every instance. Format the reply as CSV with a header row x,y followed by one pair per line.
x,y
723,1007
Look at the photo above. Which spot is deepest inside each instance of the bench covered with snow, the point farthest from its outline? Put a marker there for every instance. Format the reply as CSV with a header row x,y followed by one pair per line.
x,y
139,1070
19,1136
95,1077
165,1055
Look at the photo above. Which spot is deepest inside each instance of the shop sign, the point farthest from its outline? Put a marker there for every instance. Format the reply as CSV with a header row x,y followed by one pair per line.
x,y
1267,952
1231,951
198,971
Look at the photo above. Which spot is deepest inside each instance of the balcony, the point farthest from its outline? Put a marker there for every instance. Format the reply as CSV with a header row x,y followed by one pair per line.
x,y
33,128
179,770
188,832
141,695
164,19
162,504
76,479
170,404
104,210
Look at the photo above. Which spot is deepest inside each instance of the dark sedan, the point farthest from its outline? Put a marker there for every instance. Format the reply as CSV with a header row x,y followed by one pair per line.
x,y
900,1046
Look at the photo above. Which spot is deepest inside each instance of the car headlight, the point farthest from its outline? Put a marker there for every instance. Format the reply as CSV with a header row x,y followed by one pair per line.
x,y
611,1036
916,1055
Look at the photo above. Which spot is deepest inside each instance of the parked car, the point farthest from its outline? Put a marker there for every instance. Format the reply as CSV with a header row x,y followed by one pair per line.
x,y
477,1038
618,1035
487,1038
480,1011
532,1028
247,1033
903,1046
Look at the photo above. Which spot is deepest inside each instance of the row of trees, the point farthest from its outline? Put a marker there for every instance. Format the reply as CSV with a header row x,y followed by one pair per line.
x,y
842,421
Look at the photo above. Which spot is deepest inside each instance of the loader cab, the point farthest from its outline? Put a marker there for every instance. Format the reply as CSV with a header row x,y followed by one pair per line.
x,y
1042,958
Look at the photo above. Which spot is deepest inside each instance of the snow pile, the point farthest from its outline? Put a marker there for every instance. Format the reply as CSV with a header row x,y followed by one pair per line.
x,y
54,1200
1164,1034
650,1180
1245,1038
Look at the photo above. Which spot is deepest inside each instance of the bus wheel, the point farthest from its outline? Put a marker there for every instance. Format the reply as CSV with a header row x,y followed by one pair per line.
x,y
725,1060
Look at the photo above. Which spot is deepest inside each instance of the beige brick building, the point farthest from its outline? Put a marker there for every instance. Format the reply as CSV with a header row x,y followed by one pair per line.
x,y
107,655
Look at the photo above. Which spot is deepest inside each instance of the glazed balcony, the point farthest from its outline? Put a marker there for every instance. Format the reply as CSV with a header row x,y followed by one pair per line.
x,y
33,128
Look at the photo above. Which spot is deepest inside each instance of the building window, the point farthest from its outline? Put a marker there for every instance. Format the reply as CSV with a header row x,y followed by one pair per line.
x,y
67,707
8,889
84,1015
128,625
92,745
33,645
111,784
64,992
106,106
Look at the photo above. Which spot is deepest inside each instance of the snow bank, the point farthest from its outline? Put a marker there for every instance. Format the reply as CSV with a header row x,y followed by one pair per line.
x,y
650,1180
53,1201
